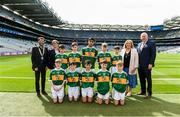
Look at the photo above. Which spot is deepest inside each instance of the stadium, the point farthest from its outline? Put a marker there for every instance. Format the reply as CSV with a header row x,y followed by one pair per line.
x,y
23,21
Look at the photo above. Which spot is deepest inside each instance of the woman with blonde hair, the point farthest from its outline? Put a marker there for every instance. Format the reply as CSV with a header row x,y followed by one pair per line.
x,y
130,59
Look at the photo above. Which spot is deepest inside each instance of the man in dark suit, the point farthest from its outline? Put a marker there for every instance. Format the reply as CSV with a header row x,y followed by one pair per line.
x,y
147,54
39,60
52,53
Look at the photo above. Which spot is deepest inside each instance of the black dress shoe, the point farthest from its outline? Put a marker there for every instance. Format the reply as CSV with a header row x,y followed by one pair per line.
x,y
44,93
141,93
38,94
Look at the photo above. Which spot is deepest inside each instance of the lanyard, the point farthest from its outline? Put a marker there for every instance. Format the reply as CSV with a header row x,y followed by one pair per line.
x,y
41,53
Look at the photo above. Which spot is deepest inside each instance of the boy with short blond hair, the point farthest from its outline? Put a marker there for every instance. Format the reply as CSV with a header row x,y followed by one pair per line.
x,y
58,79
119,83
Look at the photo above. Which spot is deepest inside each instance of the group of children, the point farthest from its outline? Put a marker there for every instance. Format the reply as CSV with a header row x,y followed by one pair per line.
x,y
81,82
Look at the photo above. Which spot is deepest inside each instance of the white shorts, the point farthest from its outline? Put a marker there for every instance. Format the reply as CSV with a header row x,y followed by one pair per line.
x,y
104,97
117,95
87,92
59,94
73,92
113,69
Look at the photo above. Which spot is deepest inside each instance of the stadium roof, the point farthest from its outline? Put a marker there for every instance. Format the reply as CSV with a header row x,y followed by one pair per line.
x,y
173,23
39,12
36,10
105,27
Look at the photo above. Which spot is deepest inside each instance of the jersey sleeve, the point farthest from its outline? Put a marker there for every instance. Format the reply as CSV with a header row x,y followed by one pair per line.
x,y
80,56
120,57
67,58
111,60
96,53
98,57
109,76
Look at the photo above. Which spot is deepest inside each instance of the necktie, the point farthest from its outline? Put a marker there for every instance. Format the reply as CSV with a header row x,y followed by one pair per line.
x,y
142,46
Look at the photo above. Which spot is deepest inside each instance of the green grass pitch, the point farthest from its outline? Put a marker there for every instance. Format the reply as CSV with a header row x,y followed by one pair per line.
x,y
16,75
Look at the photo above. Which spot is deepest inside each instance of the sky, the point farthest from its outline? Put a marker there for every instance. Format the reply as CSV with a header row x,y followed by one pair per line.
x,y
122,12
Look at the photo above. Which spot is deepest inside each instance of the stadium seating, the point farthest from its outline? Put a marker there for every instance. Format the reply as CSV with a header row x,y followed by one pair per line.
x,y
13,25
10,45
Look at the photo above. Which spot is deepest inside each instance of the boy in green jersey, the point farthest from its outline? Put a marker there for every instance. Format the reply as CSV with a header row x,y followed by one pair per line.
x,y
87,82
103,86
89,53
104,55
116,57
75,56
73,82
63,56
119,83
58,79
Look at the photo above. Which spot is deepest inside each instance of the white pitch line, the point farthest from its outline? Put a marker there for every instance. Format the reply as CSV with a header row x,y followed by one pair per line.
x,y
11,77
167,79
19,77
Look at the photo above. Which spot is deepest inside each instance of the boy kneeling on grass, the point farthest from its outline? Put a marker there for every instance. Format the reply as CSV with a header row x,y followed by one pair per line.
x,y
103,80
73,77
119,84
87,82
58,79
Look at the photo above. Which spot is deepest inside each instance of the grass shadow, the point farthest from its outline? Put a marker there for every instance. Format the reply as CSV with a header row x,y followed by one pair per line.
x,y
135,106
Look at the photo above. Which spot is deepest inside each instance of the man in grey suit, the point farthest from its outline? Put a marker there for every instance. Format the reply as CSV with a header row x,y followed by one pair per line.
x,y
147,54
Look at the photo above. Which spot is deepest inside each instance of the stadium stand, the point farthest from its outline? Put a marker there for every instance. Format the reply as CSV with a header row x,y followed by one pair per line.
x,y
14,46
26,24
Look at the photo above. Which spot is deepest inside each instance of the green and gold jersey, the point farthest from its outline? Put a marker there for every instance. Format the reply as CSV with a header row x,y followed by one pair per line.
x,y
119,81
73,78
104,56
116,58
57,76
89,53
87,79
103,80
75,57
64,58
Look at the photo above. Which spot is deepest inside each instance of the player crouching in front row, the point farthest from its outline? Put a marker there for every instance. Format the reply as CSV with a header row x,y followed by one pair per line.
x,y
103,86
58,79
73,82
119,84
87,82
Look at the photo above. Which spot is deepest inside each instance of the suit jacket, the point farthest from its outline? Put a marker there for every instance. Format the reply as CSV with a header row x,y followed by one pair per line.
x,y
147,55
134,62
36,60
51,61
